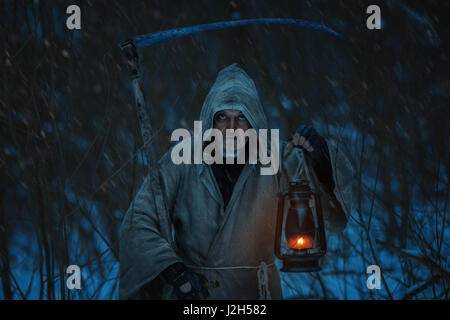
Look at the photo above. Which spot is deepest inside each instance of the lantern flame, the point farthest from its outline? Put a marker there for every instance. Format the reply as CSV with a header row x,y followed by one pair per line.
x,y
300,242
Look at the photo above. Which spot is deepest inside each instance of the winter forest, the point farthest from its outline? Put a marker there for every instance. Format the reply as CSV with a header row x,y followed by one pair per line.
x,y
71,154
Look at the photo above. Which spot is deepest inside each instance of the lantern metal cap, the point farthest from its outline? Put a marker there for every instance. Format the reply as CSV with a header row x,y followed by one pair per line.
x,y
297,181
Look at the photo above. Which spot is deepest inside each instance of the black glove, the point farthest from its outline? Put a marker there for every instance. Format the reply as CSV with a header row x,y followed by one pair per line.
x,y
177,275
320,156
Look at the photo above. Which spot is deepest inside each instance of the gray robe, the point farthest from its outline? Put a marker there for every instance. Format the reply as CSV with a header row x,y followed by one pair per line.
x,y
233,245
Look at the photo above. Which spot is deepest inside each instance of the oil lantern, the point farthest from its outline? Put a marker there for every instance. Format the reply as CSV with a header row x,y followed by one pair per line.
x,y
300,235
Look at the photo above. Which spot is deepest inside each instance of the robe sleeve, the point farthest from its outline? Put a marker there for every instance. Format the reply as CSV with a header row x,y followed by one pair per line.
x,y
343,176
336,204
143,252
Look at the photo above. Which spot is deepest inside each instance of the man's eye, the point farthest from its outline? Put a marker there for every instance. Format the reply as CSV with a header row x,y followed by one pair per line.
x,y
242,118
221,117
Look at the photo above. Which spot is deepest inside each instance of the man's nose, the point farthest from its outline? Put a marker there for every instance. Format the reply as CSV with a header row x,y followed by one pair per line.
x,y
231,123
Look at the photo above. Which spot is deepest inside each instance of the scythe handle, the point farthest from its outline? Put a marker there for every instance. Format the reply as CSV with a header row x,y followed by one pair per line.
x,y
129,51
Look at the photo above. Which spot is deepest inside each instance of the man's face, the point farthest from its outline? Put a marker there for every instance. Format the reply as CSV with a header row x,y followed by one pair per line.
x,y
230,119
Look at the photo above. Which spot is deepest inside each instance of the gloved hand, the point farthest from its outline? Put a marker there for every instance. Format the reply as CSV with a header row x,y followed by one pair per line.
x,y
316,148
188,285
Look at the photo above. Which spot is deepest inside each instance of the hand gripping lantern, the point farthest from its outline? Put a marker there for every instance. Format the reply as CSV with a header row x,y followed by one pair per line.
x,y
300,235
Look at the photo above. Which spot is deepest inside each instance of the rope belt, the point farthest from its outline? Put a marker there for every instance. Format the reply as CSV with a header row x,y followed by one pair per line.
x,y
262,274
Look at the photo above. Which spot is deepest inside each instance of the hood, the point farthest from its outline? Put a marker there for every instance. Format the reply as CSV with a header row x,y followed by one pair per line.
x,y
233,89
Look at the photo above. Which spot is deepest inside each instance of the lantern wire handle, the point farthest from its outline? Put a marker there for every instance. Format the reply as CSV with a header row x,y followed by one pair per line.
x,y
308,174
310,181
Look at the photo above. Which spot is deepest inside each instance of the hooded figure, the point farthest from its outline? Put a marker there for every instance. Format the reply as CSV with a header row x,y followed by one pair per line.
x,y
230,243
